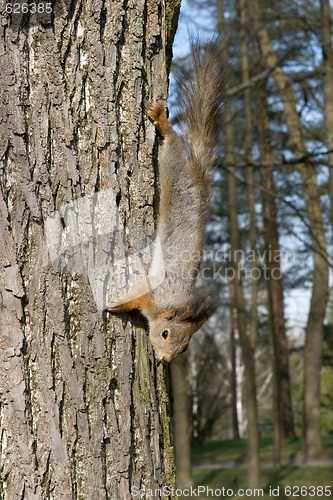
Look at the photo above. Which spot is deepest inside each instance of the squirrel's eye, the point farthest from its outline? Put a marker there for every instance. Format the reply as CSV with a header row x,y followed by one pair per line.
x,y
165,334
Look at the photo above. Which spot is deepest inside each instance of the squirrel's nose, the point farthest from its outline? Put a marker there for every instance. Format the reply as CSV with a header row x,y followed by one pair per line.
x,y
162,361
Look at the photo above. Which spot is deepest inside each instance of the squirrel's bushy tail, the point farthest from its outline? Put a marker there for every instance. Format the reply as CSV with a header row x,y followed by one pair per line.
x,y
201,93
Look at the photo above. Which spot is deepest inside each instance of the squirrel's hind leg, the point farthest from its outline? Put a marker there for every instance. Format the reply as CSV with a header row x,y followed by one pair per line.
x,y
137,298
156,111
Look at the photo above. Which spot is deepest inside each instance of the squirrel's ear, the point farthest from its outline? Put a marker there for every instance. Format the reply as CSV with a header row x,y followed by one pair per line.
x,y
197,310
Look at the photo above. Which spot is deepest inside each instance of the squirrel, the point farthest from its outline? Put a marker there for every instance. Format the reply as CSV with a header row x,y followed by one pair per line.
x,y
174,309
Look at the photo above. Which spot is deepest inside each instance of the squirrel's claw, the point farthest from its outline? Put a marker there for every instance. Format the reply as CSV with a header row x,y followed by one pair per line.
x,y
114,307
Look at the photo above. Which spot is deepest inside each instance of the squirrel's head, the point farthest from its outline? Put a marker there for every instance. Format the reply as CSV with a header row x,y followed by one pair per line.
x,y
171,330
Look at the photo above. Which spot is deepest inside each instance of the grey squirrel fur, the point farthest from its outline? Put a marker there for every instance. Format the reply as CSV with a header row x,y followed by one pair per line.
x,y
175,309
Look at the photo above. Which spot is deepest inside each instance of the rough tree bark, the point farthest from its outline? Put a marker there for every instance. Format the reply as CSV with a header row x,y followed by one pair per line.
x,y
84,412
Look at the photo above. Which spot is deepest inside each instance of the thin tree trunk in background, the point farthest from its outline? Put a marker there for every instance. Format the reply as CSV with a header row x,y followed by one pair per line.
x,y
319,296
269,211
233,381
326,40
284,422
248,348
182,428
84,411
245,68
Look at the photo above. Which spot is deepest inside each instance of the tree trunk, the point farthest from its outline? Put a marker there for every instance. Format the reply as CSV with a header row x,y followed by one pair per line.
x,y
248,134
314,329
326,41
246,341
233,362
84,411
239,305
182,428
284,422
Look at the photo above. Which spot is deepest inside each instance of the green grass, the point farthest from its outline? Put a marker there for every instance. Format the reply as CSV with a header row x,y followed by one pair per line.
x,y
213,457
235,450
234,479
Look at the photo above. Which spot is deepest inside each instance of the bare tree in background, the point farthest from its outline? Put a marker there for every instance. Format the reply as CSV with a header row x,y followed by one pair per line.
x,y
283,415
326,42
319,296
